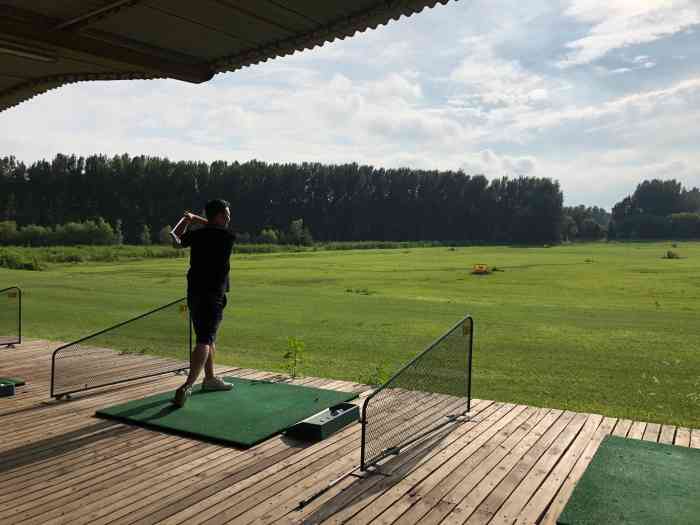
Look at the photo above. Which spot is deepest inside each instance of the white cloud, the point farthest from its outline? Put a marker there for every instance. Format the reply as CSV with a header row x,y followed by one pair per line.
x,y
622,23
491,80
625,111
488,163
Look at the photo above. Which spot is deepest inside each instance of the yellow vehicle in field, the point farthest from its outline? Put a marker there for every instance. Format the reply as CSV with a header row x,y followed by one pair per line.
x,y
481,269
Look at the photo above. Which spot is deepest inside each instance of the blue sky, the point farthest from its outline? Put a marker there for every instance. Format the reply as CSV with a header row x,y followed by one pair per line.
x,y
598,95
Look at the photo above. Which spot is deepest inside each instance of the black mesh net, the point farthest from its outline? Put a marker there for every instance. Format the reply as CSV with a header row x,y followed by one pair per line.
x,y
157,342
422,397
10,312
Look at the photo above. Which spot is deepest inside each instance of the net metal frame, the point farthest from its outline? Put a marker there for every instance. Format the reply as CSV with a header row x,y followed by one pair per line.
x,y
60,389
12,339
403,411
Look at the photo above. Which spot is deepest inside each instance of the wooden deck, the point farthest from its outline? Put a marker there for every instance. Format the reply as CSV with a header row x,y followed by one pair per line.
x,y
59,464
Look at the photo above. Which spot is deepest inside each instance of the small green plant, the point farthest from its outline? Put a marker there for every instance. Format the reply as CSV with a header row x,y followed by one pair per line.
x,y
293,356
670,254
376,376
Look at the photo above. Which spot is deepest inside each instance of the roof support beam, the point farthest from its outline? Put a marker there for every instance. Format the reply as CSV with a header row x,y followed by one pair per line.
x,y
96,14
121,57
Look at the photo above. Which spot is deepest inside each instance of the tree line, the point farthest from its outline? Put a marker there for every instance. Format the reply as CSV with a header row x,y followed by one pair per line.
x,y
134,200
658,209
584,223
347,202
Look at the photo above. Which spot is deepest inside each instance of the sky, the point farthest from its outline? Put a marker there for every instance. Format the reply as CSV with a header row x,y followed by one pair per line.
x,y
597,95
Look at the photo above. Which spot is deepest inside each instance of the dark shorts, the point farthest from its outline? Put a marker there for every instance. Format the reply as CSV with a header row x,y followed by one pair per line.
x,y
207,311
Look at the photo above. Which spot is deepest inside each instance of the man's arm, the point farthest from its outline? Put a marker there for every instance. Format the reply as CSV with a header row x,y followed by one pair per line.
x,y
193,217
183,225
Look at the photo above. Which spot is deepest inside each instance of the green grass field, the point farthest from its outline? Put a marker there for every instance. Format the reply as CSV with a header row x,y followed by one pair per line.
x,y
608,328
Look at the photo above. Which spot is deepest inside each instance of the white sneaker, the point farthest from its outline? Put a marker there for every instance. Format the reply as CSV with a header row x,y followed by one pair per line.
x,y
215,384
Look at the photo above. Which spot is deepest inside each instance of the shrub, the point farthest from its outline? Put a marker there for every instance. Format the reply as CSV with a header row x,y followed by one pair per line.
x,y
145,236
19,261
164,235
8,232
298,234
33,235
293,355
89,232
268,236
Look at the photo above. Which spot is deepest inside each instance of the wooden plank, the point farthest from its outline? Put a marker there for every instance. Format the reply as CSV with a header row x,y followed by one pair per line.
x,y
487,497
227,508
352,495
682,437
651,432
540,501
695,438
47,507
418,493
637,430
567,487
668,432
107,503
276,478
539,472
284,503
622,427
97,456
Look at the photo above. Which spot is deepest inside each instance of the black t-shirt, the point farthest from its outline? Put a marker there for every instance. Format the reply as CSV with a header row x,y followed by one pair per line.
x,y
211,248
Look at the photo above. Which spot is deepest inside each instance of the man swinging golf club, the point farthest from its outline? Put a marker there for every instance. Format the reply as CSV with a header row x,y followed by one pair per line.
x,y
207,284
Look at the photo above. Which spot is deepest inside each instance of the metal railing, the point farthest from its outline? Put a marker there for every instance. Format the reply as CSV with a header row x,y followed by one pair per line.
x,y
154,343
10,316
431,391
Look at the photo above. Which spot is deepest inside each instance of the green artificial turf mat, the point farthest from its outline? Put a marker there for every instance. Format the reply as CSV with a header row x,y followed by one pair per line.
x,y
11,381
632,481
250,413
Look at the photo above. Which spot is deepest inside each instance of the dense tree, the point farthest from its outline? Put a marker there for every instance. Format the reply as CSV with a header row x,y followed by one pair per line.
x,y
334,202
657,209
145,237
569,230
591,222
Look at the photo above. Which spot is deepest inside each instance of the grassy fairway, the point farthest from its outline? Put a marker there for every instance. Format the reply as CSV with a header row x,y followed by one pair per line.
x,y
612,329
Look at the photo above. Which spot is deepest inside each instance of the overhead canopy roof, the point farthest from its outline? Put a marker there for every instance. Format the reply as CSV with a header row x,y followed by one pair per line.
x,y
45,43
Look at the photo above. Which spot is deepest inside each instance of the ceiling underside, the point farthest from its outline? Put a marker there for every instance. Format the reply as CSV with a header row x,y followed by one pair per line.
x,y
45,44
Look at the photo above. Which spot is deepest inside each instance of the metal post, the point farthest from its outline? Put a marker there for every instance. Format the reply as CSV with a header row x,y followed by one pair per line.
x,y
469,367
19,321
363,430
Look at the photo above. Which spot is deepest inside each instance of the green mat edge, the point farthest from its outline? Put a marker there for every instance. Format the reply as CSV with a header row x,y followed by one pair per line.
x,y
13,380
564,517
102,415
